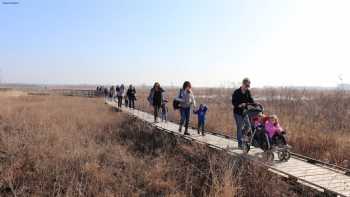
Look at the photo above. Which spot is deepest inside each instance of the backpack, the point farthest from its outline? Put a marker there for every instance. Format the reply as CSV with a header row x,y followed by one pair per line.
x,y
176,103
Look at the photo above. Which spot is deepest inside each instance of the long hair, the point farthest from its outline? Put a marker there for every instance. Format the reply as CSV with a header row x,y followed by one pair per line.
x,y
156,84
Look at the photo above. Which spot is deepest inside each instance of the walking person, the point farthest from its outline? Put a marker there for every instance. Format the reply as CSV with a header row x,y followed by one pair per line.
x,y
131,94
155,98
126,100
122,89
111,92
164,111
119,96
105,90
201,113
186,101
98,90
241,97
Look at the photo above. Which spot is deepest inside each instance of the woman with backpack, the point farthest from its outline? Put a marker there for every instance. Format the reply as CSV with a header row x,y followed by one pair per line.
x,y
155,98
184,101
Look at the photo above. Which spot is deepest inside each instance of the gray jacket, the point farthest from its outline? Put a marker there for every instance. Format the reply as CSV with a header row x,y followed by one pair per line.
x,y
186,99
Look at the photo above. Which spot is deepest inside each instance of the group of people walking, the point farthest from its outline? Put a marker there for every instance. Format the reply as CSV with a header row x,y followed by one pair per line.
x,y
185,103
102,91
119,93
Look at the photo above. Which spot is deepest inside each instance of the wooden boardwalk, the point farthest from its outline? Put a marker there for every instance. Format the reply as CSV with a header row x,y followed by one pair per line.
x,y
325,178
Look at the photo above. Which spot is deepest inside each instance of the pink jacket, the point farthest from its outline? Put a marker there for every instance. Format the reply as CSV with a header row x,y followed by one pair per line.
x,y
272,129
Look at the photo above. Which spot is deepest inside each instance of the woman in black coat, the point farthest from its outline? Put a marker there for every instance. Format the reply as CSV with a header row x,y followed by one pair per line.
x,y
155,98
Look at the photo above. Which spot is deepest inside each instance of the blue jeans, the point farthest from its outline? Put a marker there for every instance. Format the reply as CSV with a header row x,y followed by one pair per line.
x,y
201,124
185,117
120,100
131,102
242,122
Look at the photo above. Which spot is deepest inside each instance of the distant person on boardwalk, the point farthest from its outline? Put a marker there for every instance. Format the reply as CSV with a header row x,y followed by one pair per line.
x,y
119,96
186,101
131,94
241,97
126,100
122,89
105,90
155,98
98,90
201,113
101,91
164,111
111,92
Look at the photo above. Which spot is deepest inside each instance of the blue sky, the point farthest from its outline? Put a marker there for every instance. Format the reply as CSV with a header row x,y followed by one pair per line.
x,y
274,42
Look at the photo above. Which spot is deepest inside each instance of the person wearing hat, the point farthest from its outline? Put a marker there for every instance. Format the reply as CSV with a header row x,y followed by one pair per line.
x,y
241,97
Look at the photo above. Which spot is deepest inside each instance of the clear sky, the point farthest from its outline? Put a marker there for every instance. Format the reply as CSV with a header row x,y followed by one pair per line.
x,y
209,42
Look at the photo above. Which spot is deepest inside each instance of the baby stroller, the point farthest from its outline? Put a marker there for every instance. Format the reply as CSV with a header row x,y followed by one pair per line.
x,y
255,135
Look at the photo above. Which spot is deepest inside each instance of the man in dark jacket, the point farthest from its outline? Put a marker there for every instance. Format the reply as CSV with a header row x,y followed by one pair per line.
x,y
240,98
131,94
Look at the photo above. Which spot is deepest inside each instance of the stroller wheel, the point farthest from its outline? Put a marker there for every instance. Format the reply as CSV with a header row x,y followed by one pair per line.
x,y
269,156
283,155
287,156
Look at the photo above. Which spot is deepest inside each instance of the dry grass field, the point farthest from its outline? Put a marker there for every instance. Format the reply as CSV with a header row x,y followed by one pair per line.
x,y
70,146
317,122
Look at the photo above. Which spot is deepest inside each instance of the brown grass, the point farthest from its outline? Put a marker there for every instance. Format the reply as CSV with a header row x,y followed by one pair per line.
x,y
53,146
66,146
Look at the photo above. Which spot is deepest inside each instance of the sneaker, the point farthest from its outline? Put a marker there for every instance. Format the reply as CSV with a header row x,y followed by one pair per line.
x,y
203,134
198,131
186,133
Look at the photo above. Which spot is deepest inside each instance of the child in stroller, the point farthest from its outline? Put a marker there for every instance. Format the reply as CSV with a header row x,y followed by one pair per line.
x,y
265,133
275,131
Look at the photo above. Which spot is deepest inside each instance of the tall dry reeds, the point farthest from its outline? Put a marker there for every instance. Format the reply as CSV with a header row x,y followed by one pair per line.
x,y
67,146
